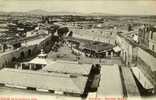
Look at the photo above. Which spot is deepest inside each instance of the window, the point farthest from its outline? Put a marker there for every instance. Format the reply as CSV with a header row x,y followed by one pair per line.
x,y
151,35
153,47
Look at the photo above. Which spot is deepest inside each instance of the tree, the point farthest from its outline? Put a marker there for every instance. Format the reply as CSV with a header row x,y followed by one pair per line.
x,y
52,29
70,34
129,27
62,31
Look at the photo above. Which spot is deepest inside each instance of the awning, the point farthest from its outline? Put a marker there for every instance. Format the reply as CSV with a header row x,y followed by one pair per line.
x,y
38,61
144,81
117,49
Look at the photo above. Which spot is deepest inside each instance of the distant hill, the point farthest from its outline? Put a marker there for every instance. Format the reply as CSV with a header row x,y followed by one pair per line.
x,y
43,12
100,14
38,12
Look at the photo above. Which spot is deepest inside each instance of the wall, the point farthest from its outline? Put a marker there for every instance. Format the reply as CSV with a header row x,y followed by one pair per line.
x,y
7,57
128,51
102,35
147,58
151,43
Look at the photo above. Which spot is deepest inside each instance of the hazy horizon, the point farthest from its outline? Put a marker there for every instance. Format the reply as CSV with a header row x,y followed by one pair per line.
x,y
118,7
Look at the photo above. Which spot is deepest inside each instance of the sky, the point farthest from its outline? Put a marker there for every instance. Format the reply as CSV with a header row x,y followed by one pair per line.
x,y
127,7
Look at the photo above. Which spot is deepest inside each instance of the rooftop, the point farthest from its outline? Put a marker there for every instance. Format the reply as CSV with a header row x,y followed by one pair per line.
x,y
38,60
70,68
110,82
47,81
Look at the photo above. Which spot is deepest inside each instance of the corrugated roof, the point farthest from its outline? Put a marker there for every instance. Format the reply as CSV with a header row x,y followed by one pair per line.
x,y
71,68
47,81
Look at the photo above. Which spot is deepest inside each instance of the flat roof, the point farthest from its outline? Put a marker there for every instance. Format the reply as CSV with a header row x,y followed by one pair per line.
x,y
69,67
41,80
110,82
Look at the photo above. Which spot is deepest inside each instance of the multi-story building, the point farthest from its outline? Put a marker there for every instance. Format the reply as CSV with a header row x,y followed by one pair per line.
x,y
143,34
140,59
152,41
147,37
128,49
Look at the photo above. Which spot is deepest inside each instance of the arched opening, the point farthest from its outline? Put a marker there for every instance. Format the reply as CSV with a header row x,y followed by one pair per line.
x,y
109,52
22,55
14,59
29,52
3,65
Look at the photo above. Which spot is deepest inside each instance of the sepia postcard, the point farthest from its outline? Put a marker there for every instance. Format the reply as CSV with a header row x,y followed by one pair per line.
x,y
77,49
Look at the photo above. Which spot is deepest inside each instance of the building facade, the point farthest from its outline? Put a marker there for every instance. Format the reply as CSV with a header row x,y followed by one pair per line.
x,y
152,41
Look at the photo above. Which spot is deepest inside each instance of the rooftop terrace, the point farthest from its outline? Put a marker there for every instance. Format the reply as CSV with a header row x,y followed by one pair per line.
x,y
46,81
